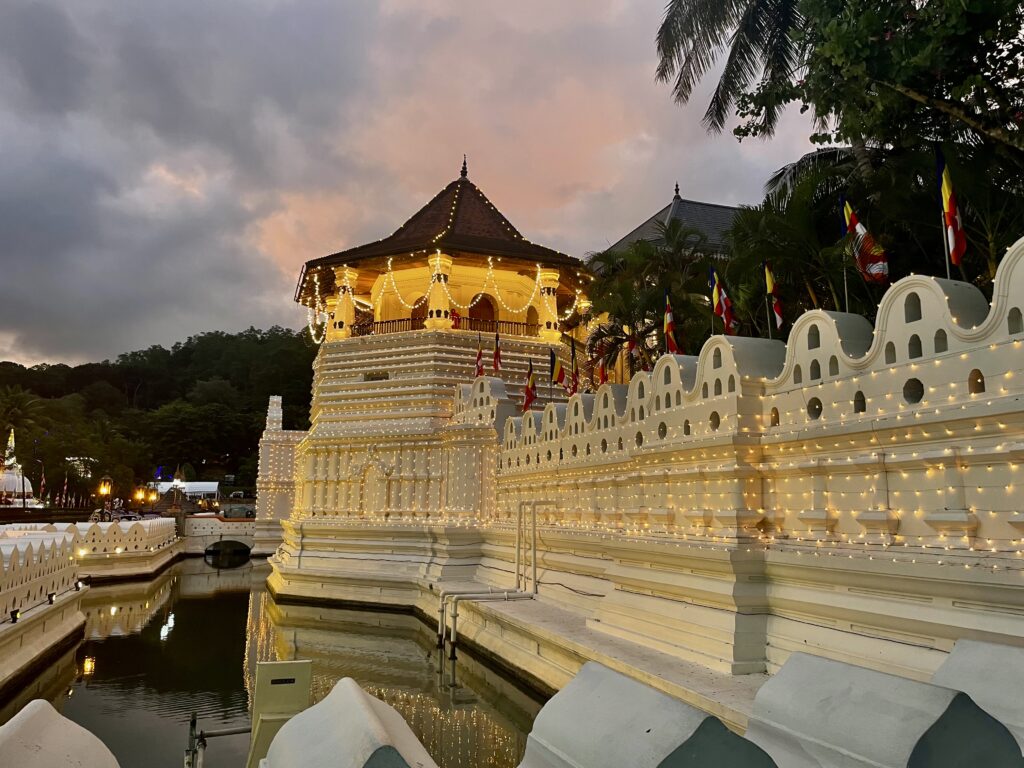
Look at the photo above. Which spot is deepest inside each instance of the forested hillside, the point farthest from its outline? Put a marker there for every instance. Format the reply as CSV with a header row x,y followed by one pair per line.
x,y
200,404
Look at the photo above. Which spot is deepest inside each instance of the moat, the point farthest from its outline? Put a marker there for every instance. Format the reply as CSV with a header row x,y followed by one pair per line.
x,y
189,640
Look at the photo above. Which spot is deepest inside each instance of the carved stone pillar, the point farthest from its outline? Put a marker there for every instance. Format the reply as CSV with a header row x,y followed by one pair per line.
x,y
342,309
438,306
880,523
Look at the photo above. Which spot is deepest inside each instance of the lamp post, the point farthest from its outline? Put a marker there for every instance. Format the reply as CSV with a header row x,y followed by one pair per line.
x,y
106,486
153,496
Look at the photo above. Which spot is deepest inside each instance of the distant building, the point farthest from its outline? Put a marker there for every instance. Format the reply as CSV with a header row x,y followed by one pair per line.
x,y
711,219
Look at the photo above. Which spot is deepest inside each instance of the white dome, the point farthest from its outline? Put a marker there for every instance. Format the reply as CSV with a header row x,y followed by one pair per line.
x,y
10,483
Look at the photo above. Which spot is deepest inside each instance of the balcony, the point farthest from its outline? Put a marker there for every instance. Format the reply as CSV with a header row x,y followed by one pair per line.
x,y
471,324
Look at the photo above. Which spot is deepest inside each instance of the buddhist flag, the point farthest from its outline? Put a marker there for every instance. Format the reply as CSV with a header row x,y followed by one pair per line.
x,y
479,355
671,347
64,493
42,481
721,303
773,294
872,263
530,390
956,238
574,375
557,371
497,353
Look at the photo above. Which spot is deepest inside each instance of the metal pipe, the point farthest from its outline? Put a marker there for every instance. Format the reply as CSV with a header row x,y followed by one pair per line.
x,y
226,731
506,596
533,556
442,599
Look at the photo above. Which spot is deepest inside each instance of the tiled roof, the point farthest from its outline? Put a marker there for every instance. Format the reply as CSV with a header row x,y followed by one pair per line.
x,y
710,218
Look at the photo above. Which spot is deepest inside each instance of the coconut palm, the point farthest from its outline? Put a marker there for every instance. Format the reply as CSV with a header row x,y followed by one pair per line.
x,y
20,410
760,42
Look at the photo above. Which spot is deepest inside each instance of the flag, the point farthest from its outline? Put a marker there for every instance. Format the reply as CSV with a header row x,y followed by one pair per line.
x,y
773,294
557,371
872,263
956,238
602,371
671,347
479,356
574,377
64,493
530,390
497,353
42,481
721,302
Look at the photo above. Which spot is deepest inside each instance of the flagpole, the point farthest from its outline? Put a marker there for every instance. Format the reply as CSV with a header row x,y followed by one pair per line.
x,y
768,312
846,288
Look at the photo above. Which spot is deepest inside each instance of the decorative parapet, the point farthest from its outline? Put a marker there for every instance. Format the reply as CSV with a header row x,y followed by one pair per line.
x,y
905,433
35,564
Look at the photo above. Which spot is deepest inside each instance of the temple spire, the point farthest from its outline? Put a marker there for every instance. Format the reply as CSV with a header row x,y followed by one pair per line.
x,y
465,170
677,197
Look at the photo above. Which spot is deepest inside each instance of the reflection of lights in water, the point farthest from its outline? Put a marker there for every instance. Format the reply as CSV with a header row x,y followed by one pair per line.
x,y
89,665
165,630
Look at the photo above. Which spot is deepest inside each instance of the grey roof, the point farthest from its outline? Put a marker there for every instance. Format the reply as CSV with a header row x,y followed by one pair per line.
x,y
710,218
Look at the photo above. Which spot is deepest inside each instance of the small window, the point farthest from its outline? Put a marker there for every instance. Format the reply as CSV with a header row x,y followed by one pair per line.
x,y
632,414
573,451
704,390
575,409
798,375
662,430
912,308
686,427
716,359
859,403
814,409
604,446
718,387
604,422
813,337
1014,321
774,417
890,353
715,421
815,370
620,443
732,383
639,439
549,455
913,391
976,382
588,449
641,413
604,401
914,347
833,366
679,397
668,376
657,403
941,341
640,390
527,459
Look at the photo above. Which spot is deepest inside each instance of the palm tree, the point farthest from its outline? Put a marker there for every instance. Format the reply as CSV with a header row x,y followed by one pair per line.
x,y
20,410
762,41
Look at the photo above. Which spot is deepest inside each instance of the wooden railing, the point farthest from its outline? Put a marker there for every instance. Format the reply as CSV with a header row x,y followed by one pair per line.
x,y
504,327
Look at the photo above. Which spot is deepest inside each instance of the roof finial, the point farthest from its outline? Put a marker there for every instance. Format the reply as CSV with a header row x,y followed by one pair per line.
x,y
677,192
465,170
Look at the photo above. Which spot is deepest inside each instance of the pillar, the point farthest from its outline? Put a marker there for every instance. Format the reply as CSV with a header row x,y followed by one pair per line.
x,y
547,306
438,306
341,306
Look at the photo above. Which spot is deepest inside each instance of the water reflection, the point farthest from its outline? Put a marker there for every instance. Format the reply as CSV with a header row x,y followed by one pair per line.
x,y
189,641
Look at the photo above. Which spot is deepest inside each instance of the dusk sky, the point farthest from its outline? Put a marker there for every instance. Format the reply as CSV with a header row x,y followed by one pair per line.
x,y
165,168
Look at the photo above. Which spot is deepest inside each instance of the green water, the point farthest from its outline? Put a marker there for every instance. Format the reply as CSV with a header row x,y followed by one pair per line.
x,y
189,641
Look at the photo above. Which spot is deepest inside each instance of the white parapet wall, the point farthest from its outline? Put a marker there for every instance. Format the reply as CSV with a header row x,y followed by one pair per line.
x,y
40,737
852,493
40,599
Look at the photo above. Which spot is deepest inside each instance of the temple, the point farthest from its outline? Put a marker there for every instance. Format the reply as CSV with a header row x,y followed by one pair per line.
x,y
849,494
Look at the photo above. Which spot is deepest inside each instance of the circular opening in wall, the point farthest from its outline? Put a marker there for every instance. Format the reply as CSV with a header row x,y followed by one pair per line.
x,y
814,408
913,391
662,430
639,439
715,421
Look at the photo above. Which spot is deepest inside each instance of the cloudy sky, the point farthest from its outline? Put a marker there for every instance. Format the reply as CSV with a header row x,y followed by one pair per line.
x,y
166,167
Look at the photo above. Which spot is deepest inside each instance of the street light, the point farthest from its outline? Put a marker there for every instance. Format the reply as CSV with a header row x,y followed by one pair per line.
x,y
153,496
106,486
